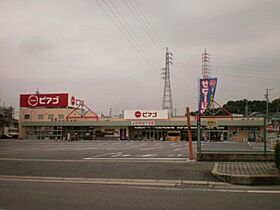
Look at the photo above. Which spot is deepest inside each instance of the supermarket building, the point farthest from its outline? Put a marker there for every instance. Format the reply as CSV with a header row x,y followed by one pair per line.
x,y
64,117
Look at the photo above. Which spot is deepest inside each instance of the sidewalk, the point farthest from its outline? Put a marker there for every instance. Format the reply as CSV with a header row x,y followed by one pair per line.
x,y
247,173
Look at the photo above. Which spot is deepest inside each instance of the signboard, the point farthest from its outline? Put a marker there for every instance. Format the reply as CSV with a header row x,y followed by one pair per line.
x,y
73,101
271,128
48,100
207,89
145,114
250,128
211,123
142,123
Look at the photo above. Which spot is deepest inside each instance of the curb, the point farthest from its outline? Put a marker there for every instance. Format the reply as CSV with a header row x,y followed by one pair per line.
x,y
245,179
112,181
98,160
235,156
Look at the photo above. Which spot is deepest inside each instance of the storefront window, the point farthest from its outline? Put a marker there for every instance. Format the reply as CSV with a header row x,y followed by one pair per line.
x,y
61,116
40,117
50,116
27,116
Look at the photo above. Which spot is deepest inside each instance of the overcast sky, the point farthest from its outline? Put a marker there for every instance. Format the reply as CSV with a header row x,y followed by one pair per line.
x,y
110,52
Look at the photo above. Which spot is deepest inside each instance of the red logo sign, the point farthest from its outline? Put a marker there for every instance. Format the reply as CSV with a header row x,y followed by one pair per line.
x,y
73,101
137,114
147,114
44,100
33,100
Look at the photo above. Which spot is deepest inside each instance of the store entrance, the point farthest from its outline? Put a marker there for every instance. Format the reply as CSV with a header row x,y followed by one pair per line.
x,y
160,133
215,135
147,134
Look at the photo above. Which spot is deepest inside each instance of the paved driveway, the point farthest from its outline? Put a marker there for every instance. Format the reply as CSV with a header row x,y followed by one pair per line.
x,y
92,150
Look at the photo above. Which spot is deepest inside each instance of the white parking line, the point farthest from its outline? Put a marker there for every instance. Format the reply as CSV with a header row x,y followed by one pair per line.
x,y
149,155
128,155
117,155
106,154
112,148
151,159
264,191
151,148
178,149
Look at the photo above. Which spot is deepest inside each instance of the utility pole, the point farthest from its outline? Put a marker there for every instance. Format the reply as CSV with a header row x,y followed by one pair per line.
x,y
266,118
110,112
267,101
189,133
246,107
167,97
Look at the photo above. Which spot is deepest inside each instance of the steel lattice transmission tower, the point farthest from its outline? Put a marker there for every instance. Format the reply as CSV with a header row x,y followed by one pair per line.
x,y
167,96
205,65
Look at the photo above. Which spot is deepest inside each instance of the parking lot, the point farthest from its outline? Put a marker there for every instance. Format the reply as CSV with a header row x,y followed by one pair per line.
x,y
104,149
232,146
89,150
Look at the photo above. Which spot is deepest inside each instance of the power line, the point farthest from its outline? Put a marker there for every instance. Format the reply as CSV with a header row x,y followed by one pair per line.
x,y
149,26
139,19
246,76
253,59
122,30
153,33
179,62
117,18
245,72
147,59
146,25
130,30
247,65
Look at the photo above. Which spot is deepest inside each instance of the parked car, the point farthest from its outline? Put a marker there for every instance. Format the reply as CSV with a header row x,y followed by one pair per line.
x,y
274,142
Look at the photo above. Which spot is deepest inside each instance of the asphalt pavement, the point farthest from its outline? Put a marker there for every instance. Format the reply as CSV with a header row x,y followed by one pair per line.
x,y
127,170
90,150
23,195
119,175
86,150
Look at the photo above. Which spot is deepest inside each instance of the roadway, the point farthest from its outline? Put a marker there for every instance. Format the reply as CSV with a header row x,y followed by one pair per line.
x,y
32,195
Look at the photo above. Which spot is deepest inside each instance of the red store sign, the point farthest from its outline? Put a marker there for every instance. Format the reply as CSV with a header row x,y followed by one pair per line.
x,y
44,100
146,114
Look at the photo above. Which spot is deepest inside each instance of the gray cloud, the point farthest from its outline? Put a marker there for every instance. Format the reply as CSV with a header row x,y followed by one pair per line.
x,y
72,46
35,46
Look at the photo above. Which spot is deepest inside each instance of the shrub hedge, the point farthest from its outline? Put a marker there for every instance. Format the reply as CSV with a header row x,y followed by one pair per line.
x,y
277,155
